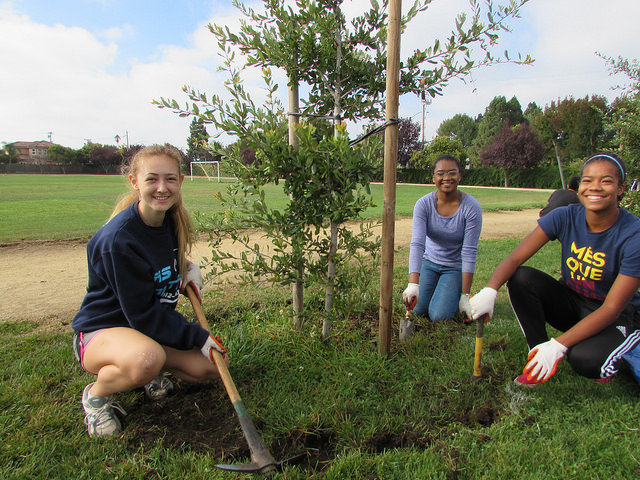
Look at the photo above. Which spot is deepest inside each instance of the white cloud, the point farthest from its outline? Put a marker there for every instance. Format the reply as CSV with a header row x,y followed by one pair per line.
x,y
562,36
116,33
76,84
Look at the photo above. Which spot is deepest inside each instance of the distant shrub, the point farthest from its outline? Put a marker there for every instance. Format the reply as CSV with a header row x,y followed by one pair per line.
x,y
631,201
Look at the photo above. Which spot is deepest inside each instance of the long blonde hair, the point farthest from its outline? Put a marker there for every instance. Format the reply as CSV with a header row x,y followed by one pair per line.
x,y
184,229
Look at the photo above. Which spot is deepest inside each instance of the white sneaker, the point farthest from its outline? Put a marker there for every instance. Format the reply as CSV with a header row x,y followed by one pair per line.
x,y
159,387
100,418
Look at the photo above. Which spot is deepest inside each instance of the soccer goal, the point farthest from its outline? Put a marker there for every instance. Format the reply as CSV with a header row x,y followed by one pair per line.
x,y
207,167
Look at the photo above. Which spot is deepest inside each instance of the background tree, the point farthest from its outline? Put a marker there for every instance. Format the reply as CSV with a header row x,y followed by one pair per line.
x,y
584,121
198,138
624,116
461,126
496,116
574,129
8,154
106,157
512,148
66,156
532,113
127,153
624,119
436,147
408,140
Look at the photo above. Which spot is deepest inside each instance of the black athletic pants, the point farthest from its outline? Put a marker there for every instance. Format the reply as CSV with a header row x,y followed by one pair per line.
x,y
538,299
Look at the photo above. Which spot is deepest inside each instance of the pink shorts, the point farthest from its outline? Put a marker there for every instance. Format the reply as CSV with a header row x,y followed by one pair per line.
x,y
80,342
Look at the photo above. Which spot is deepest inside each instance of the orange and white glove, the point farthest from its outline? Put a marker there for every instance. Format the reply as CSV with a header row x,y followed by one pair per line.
x,y
211,343
410,295
483,303
193,278
543,360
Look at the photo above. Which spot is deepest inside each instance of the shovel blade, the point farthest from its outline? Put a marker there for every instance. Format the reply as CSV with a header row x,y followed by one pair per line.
x,y
248,467
406,329
261,468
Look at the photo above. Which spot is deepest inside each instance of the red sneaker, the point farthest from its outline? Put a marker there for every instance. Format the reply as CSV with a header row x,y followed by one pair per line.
x,y
524,381
605,379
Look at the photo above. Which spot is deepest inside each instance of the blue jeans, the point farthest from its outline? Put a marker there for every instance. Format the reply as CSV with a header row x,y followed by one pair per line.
x,y
440,289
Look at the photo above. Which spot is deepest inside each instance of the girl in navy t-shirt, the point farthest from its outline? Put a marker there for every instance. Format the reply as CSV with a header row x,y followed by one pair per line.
x,y
595,303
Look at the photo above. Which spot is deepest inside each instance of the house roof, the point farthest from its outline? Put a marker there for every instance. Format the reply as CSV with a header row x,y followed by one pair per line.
x,y
37,144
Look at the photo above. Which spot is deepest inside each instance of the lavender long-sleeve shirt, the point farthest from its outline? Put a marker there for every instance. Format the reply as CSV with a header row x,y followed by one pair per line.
x,y
449,241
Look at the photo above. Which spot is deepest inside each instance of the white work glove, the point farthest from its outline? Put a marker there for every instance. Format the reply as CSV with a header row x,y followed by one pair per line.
x,y
483,302
193,278
543,360
410,295
211,343
465,306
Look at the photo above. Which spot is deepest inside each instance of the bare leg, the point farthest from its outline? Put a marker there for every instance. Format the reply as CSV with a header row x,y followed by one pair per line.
x,y
191,365
124,359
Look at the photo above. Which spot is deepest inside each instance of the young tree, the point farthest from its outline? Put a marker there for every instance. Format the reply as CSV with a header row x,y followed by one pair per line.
x,y
511,148
341,63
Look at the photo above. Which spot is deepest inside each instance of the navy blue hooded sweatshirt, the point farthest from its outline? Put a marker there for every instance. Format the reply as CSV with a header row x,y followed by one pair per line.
x,y
134,282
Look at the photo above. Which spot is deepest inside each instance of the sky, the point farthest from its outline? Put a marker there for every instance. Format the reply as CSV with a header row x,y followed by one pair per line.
x,y
78,71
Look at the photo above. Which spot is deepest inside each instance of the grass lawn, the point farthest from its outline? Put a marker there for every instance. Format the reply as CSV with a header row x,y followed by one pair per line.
x,y
356,415
415,414
46,207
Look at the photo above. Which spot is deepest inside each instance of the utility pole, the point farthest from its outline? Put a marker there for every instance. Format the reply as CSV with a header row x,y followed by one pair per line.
x,y
50,133
425,102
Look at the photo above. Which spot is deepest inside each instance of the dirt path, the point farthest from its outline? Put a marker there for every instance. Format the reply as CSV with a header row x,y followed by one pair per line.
x,y
46,281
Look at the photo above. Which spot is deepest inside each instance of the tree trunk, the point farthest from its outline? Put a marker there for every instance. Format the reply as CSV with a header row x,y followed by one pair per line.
x,y
331,275
297,300
333,240
506,178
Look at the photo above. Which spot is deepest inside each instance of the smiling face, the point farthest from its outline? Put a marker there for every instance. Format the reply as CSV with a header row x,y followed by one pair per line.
x,y
600,186
158,181
446,175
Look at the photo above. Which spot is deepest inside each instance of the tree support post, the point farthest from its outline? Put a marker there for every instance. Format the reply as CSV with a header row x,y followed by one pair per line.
x,y
297,287
390,172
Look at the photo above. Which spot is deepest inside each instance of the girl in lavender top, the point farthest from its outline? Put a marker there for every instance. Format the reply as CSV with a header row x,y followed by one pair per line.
x,y
444,244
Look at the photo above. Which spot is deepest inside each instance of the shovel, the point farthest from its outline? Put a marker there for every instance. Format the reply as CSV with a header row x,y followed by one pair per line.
x,y
477,358
406,324
261,459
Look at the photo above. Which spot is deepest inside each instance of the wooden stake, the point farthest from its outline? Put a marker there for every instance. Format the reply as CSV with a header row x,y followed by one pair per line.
x,y
297,287
390,166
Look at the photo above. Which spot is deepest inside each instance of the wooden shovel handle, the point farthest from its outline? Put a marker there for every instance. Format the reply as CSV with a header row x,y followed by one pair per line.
x,y
229,385
262,459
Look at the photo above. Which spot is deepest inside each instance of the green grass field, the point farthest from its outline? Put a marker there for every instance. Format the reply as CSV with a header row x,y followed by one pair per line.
x,y
48,207
415,414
